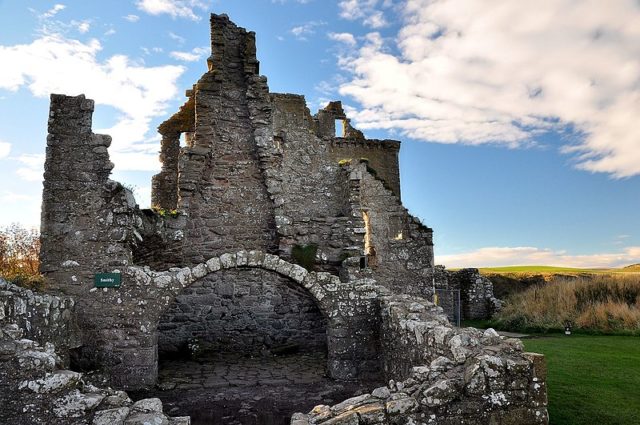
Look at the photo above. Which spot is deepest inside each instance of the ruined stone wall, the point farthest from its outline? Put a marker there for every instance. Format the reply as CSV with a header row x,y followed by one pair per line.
x,y
309,189
162,239
122,323
444,376
89,223
221,187
476,293
87,219
35,391
250,311
41,317
164,192
399,248
381,155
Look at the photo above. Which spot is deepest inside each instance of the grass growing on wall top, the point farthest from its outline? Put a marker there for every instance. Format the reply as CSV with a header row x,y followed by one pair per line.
x,y
305,256
591,379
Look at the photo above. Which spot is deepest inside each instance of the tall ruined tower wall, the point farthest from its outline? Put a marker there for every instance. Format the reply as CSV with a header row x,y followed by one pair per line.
x,y
86,217
221,186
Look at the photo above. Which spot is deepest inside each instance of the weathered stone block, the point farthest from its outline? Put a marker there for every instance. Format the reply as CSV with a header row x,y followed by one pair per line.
x,y
111,416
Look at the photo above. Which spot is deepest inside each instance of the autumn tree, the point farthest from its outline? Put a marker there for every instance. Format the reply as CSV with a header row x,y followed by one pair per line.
x,y
19,250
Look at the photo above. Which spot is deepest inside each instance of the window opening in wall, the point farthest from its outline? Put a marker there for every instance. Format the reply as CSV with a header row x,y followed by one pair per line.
x,y
340,128
369,249
183,140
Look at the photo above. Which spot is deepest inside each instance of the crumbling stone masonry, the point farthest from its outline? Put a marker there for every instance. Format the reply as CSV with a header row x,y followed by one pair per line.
x,y
260,188
35,389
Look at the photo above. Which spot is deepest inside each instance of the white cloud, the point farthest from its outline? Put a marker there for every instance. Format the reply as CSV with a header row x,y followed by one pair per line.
x,y
83,26
343,37
365,10
504,72
53,11
54,64
177,38
523,256
33,167
131,18
192,56
309,28
13,198
5,148
173,8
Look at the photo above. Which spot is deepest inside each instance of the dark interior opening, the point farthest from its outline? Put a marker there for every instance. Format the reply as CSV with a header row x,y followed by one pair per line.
x,y
244,346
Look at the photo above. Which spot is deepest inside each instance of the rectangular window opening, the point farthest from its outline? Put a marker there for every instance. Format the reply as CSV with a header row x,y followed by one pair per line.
x,y
340,127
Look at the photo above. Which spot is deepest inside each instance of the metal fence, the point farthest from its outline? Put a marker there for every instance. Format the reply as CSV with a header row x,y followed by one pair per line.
x,y
449,300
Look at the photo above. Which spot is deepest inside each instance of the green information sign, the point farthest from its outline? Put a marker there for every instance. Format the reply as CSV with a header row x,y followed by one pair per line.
x,y
107,280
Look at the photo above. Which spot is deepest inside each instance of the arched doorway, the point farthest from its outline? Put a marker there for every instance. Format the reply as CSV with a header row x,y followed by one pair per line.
x,y
261,353
242,311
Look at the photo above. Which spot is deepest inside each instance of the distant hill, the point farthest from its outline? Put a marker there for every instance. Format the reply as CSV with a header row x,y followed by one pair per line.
x,y
541,270
551,270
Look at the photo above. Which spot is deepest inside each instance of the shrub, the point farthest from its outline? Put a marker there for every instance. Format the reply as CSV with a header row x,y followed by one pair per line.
x,y
19,256
600,303
305,256
164,213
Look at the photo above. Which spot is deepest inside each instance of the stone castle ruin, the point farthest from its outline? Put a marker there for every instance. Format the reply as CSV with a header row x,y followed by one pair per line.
x,y
272,230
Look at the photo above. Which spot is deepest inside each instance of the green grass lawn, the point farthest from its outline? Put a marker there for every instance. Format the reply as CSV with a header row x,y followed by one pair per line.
x,y
592,380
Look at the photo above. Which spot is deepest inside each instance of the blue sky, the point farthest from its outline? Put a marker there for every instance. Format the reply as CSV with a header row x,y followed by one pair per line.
x,y
518,119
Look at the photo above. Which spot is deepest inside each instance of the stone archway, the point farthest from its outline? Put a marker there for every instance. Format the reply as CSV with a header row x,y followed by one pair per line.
x,y
135,309
249,302
239,383
247,310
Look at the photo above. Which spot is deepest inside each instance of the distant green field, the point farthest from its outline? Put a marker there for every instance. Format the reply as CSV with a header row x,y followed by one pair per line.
x,y
555,270
539,269
591,379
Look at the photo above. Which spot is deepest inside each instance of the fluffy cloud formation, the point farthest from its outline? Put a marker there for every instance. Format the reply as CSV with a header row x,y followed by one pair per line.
x,y
504,72
530,256
173,8
131,18
54,64
192,56
5,148
82,27
365,10
302,31
343,37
